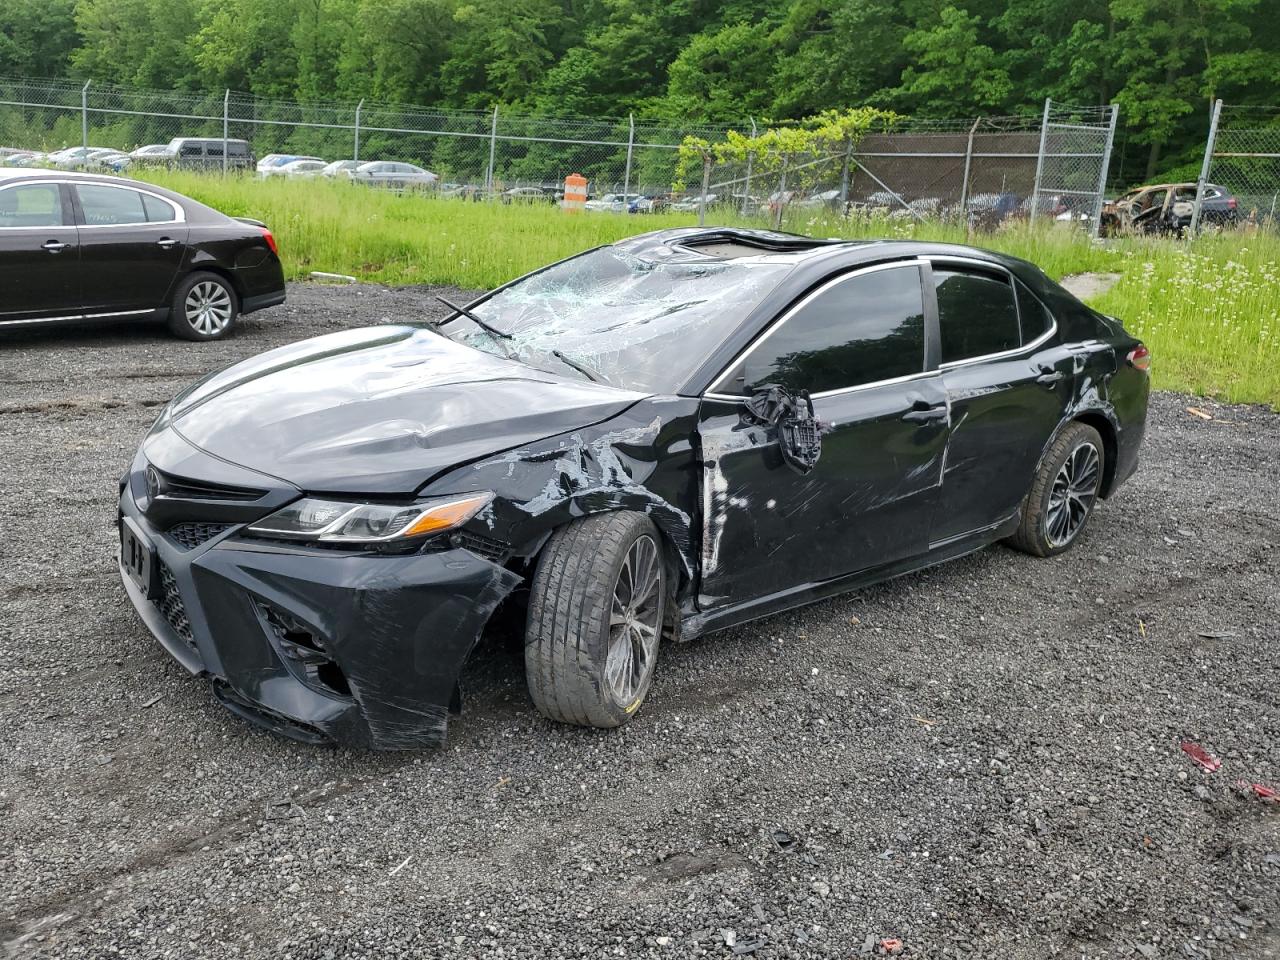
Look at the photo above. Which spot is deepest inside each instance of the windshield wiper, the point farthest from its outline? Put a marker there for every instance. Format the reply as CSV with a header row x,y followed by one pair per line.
x,y
466,312
492,331
576,365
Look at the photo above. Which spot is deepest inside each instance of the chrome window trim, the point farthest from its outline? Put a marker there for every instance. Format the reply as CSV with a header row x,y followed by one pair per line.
x,y
1017,307
914,264
24,182
180,215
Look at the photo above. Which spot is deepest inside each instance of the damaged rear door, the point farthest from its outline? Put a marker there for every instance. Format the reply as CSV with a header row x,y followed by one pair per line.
x,y
778,516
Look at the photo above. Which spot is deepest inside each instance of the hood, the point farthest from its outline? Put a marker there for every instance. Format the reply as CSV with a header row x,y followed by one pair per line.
x,y
380,410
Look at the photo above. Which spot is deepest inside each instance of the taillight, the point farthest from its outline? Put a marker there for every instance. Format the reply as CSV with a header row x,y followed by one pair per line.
x,y
1140,358
1231,203
271,241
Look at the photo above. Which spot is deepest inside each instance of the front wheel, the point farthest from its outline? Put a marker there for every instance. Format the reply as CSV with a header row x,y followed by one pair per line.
x,y
1063,493
204,307
596,609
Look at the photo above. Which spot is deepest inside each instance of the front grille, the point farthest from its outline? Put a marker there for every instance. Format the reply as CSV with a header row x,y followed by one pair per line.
x,y
191,535
182,488
171,607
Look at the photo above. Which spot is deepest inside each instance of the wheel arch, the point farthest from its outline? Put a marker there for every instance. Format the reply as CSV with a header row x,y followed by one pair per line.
x,y
1110,445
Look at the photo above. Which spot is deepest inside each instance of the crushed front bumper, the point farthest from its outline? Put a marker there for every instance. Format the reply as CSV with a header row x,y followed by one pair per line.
x,y
357,649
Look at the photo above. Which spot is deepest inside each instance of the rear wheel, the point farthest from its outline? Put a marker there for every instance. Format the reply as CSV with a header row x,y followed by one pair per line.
x,y
204,307
596,609
1063,494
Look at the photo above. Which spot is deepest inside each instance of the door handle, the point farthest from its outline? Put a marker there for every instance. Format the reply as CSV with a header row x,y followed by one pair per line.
x,y
166,242
53,246
1049,376
921,412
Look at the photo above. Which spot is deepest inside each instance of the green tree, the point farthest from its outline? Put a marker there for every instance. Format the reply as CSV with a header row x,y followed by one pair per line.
x,y
36,37
953,73
724,75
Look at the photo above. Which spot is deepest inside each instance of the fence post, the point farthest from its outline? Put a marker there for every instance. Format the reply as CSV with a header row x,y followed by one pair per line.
x,y
706,185
84,115
631,142
493,144
1095,222
1204,167
356,153
964,180
226,118
1044,135
746,190
782,193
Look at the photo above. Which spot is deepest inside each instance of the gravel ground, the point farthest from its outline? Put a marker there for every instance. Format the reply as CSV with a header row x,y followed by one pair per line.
x,y
979,760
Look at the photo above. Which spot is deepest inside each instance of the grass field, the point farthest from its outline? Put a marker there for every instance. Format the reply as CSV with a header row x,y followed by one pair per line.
x,y
1209,309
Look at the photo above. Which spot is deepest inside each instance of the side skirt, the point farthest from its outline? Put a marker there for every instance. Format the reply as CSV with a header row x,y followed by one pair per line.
x,y
697,624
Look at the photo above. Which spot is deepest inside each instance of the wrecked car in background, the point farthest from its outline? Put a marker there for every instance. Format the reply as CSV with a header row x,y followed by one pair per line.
x,y
680,432
1167,208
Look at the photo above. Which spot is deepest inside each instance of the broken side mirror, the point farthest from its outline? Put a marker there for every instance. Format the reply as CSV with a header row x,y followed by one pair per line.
x,y
798,431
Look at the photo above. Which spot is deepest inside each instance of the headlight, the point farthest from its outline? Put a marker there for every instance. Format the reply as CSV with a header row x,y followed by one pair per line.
x,y
339,521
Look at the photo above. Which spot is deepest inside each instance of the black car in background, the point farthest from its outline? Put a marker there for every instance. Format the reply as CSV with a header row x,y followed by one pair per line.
x,y
76,247
680,432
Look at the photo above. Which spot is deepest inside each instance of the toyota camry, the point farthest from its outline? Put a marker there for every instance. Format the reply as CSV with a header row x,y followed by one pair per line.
x,y
649,441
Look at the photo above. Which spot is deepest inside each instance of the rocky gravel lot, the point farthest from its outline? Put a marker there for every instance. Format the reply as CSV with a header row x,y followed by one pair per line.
x,y
981,760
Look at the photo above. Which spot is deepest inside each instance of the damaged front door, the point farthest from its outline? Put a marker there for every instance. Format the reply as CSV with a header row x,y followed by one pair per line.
x,y
864,494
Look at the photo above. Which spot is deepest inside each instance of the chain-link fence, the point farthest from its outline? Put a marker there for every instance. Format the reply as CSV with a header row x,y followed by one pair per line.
x,y
982,172
1239,182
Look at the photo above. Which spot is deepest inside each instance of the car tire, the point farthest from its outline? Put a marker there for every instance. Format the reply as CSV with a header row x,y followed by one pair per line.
x,y
1063,493
590,649
204,307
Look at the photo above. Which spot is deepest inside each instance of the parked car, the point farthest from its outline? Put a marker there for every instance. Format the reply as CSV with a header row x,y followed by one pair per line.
x,y
824,198
273,164
674,434
83,247
527,195
691,204
612,202
73,158
152,153
1168,208
22,158
114,161
340,168
394,175
273,160
301,169
205,153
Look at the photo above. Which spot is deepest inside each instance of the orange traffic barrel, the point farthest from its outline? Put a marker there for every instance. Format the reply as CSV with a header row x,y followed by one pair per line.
x,y
575,192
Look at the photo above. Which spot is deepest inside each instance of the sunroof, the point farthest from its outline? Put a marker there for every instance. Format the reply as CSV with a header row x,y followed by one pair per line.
x,y
729,246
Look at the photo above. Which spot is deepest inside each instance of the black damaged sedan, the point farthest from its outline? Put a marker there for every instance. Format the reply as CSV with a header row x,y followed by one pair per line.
x,y
653,440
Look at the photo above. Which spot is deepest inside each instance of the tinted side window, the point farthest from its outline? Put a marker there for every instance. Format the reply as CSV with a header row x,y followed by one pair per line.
x,y
31,205
1035,316
157,210
867,328
191,150
976,314
109,206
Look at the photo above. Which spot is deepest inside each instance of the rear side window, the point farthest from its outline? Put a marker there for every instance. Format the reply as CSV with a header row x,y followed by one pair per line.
x,y
31,205
110,206
866,328
157,210
1034,316
976,314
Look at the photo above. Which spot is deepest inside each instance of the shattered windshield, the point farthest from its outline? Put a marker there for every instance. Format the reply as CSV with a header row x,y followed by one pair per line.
x,y
620,319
